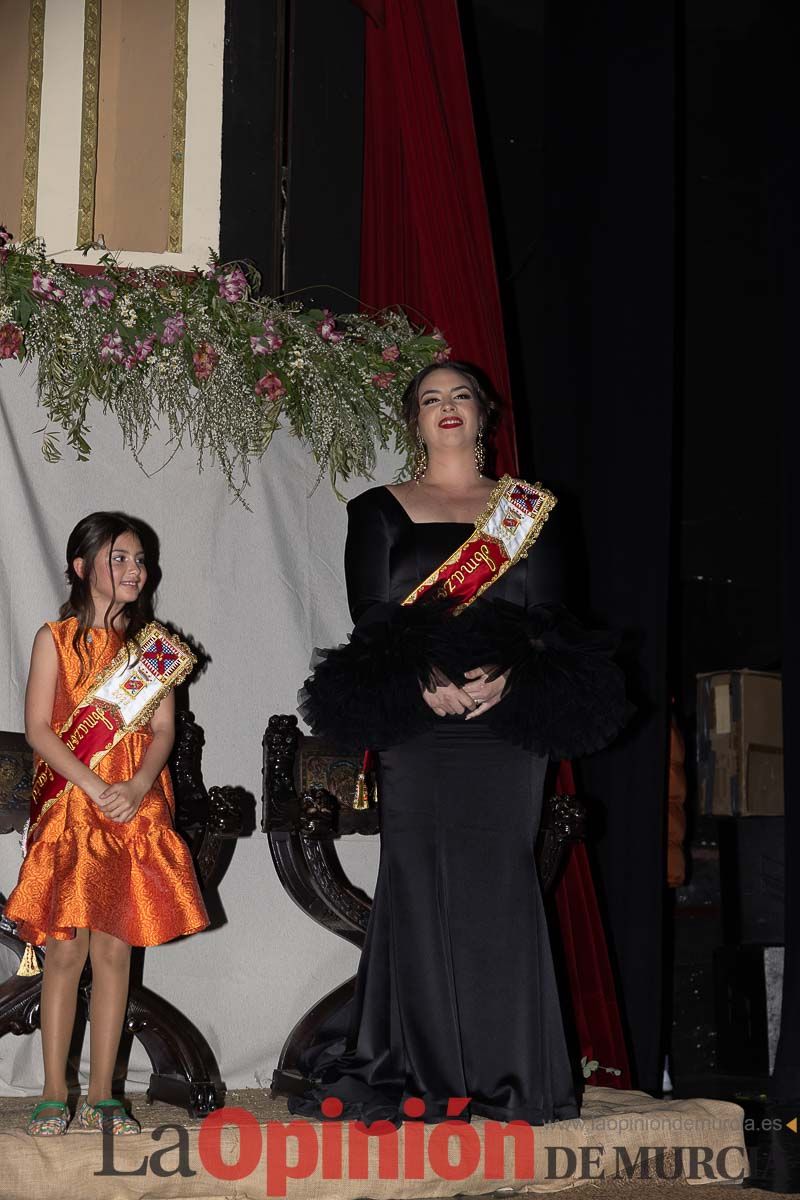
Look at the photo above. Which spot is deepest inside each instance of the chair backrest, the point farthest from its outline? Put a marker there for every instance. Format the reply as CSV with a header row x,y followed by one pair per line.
x,y
16,780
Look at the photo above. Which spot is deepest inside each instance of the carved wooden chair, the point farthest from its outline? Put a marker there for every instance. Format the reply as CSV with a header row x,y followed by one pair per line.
x,y
184,1069
308,793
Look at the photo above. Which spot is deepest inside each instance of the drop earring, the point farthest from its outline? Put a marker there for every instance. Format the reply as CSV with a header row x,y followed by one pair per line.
x,y
480,453
421,461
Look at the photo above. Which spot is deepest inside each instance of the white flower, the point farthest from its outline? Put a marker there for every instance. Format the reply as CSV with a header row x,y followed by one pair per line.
x,y
127,311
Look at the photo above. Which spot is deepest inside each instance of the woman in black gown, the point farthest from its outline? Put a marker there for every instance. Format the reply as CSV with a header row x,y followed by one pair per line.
x,y
456,994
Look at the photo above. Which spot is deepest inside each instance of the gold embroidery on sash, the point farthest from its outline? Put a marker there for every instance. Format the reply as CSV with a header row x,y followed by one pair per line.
x,y
444,587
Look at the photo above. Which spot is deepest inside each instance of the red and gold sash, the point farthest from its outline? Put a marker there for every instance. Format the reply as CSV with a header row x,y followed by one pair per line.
x,y
122,698
514,516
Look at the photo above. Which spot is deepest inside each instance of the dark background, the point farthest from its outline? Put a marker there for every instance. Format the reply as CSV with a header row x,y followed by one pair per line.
x,y
727,402
293,96
633,155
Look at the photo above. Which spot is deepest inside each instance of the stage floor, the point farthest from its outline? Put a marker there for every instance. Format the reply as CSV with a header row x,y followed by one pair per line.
x,y
695,1143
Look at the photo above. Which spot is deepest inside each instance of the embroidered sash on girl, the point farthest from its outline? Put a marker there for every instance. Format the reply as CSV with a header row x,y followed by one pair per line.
x,y
123,698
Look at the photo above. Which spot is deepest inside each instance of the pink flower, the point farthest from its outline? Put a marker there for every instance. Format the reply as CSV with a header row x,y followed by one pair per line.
x,y
233,285
111,348
442,355
143,347
43,288
271,337
205,359
270,385
10,340
326,328
383,379
390,354
174,329
130,361
266,344
103,296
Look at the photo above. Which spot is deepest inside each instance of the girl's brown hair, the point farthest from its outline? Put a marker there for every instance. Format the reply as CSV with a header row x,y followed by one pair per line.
x,y
86,541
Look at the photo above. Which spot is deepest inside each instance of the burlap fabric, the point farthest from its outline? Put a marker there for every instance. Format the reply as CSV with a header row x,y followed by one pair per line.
x,y
606,1140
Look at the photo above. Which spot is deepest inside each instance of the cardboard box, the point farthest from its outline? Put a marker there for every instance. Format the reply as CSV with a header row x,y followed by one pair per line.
x,y
740,743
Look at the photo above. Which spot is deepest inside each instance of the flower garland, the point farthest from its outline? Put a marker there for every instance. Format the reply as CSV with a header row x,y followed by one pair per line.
x,y
206,358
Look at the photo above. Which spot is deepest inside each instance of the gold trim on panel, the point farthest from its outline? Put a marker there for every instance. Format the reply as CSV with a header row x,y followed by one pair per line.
x,y
178,154
91,81
33,112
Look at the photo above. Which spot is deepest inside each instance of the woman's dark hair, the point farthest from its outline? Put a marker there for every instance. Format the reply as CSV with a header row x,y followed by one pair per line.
x,y
489,406
86,541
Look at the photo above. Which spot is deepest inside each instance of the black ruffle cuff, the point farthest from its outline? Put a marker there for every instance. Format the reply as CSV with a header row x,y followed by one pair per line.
x,y
565,695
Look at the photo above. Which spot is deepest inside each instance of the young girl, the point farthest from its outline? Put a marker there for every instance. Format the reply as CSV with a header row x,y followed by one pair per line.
x,y
104,869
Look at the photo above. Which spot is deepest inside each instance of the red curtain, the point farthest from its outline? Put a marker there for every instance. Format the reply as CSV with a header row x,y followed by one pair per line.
x,y
426,245
425,237
594,993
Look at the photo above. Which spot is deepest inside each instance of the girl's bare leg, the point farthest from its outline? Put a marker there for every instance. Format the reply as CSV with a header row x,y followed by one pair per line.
x,y
111,964
63,964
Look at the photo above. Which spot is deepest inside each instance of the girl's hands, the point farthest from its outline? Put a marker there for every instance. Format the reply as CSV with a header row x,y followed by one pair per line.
x,y
95,790
120,801
485,692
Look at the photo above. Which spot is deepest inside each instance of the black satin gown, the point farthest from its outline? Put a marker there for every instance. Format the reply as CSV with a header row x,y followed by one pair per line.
x,y
456,993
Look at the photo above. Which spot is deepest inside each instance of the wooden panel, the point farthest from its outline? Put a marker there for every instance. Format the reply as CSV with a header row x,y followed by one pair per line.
x,y
135,116
14,23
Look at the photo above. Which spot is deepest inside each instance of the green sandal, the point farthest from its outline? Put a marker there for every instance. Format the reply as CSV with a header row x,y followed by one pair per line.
x,y
53,1126
109,1116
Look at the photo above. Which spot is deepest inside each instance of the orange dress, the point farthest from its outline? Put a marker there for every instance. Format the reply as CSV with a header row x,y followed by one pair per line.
x,y
132,879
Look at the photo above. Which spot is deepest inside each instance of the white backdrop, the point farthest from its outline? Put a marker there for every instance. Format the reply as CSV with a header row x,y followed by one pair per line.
x,y
258,590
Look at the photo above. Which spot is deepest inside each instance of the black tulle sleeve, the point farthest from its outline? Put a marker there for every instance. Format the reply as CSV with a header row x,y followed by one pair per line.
x,y
368,691
565,694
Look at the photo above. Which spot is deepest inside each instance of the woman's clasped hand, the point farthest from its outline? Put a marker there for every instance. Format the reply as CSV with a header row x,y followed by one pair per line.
x,y
481,692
